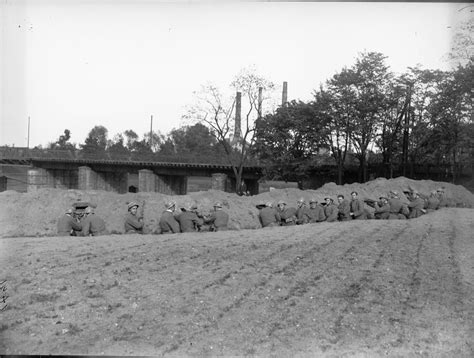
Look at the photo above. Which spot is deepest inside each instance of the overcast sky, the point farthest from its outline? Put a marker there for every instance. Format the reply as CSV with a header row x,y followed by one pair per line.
x,y
83,63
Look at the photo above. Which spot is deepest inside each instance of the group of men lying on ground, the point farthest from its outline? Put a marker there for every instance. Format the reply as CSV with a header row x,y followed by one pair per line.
x,y
188,219
388,207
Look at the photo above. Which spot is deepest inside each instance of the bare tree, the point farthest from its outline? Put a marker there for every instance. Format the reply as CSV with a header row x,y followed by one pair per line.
x,y
218,113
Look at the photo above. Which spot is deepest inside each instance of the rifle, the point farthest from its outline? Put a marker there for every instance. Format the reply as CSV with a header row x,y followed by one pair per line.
x,y
370,202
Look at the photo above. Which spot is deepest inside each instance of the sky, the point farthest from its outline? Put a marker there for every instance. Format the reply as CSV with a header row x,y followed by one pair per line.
x,y
77,64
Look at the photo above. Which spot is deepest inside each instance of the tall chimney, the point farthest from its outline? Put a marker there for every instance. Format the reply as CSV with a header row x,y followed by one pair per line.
x,y
238,109
260,100
284,97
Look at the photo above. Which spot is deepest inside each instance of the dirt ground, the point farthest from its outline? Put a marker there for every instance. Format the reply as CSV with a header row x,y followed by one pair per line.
x,y
361,288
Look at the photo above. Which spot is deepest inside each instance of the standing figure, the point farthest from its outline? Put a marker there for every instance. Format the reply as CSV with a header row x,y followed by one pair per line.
x,y
287,215
344,208
92,225
133,223
188,219
357,207
269,216
330,210
217,219
68,225
315,212
168,223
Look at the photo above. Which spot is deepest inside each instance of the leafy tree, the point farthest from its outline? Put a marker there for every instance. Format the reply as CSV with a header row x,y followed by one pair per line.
x,y
369,82
192,141
451,117
117,149
289,139
63,142
96,142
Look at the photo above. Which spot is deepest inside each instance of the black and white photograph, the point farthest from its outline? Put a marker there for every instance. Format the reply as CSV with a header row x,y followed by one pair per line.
x,y
236,178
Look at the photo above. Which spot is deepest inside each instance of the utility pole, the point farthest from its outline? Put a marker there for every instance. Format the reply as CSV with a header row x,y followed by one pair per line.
x,y
28,141
151,132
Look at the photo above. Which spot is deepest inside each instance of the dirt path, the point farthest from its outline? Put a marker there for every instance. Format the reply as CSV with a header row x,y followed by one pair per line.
x,y
371,288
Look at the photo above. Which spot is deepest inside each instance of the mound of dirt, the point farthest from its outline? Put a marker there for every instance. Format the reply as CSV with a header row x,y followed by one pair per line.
x,y
36,213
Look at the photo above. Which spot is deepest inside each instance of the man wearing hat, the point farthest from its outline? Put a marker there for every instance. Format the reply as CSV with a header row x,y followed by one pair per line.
x,y
133,224
188,219
269,216
382,209
287,215
68,225
315,212
330,210
92,225
168,223
218,219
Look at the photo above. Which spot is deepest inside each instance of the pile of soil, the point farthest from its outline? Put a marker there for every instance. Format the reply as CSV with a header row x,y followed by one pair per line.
x,y
36,213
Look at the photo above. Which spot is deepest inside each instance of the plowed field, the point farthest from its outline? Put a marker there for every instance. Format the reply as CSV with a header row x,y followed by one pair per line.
x,y
360,288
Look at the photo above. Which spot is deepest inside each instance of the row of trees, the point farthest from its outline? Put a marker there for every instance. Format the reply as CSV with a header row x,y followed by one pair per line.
x,y
417,117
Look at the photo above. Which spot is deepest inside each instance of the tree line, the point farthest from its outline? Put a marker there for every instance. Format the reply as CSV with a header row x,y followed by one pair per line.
x,y
368,113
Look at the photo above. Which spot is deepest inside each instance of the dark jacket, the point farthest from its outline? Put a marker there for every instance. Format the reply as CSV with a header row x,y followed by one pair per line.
x,y
218,220
344,210
269,217
357,209
67,224
168,223
331,212
133,224
189,221
316,214
93,225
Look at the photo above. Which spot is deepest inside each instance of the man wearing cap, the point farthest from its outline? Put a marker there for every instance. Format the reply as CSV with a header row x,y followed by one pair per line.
x,y
218,219
357,207
287,215
133,224
382,209
92,225
168,223
188,219
330,210
269,216
68,225
344,209
315,212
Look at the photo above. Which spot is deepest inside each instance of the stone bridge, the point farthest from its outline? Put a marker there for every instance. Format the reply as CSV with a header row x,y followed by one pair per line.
x,y
113,175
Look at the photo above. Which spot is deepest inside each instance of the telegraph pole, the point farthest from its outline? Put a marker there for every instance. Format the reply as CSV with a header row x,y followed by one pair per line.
x,y
28,141
151,131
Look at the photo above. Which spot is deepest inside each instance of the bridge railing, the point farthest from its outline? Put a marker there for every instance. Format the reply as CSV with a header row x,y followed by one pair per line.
x,y
58,154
